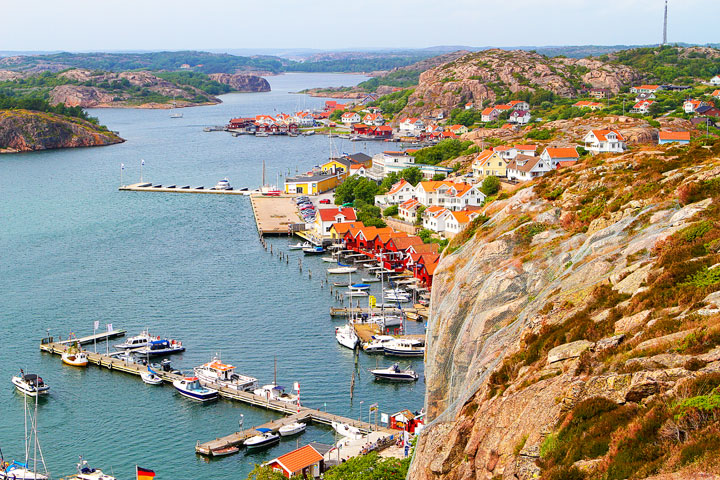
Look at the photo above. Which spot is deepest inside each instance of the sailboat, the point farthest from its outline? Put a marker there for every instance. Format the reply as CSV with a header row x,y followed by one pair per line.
x,y
24,470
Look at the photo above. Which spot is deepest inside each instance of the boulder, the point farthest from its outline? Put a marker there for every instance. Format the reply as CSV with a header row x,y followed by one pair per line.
x,y
630,284
633,322
609,342
569,350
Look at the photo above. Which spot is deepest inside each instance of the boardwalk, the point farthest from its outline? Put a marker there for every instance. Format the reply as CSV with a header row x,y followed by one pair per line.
x,y
292,411
274,214
148,187
98,337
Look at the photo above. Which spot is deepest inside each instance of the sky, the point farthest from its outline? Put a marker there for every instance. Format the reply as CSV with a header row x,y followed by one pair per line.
x,y
99,25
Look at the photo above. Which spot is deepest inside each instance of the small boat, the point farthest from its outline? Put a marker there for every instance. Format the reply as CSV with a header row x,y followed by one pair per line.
x,y
300,246
223,184
176,115
275,392
360,286
171,186
264,440
262,134
190,387
309,132
377,343
161,347
165,366
221,452
328,259
341,284
356,293
404,348
292,429
292,134
30,384
151,378
346,336
347,431
216,373
86,472
344,136
138,341
341,270
315,250
370,280
19,471
397,297
74,356
395,374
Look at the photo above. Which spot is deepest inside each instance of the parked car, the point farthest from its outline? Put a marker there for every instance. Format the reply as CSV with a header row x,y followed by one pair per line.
x,y
325,201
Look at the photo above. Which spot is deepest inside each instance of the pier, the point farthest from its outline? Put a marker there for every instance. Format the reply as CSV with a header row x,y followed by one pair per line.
x,y
149,187
274,214
291,411
98,337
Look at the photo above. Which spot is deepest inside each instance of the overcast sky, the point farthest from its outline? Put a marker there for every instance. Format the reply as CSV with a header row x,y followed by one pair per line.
x,y
82,25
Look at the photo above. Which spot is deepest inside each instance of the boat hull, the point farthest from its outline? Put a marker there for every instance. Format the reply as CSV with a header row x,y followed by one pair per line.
x,y
201,397
395,377
28,390
266,443
288,432
403,353
74,360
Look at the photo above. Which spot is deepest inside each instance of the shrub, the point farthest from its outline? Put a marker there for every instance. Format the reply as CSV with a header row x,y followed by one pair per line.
x,y
490,186
390,211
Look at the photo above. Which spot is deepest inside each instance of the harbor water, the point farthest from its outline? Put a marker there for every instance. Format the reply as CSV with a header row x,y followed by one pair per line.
x,y
75,250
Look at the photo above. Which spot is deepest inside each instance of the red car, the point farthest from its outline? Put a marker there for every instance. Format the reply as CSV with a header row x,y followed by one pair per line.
x,y
325,201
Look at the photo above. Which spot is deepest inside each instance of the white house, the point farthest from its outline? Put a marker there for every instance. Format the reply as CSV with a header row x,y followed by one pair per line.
x,y
349,118
642,106
358,170
451,195
411,126
264,120
489,114
457,221
397,194
373,119
524,168
469,106
519,105
555,155
328,216
715,80
646,89
304,119
690,105
521,117
526,149
601,141
434,218
408,210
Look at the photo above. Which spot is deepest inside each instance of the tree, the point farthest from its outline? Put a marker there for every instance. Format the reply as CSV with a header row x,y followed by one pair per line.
x,y
370,467
265,473
419,214
390,211
490,186
354,188
425,235
387,182
413,175
439,177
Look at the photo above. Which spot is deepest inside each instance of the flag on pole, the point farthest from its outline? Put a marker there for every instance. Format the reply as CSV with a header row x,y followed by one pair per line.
x,y
374,407
144,473
122,166
96,325
296,386
109,327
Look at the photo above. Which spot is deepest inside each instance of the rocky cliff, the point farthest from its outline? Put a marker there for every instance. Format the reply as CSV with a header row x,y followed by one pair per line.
x,y
242,83
485,75
24,131
576,333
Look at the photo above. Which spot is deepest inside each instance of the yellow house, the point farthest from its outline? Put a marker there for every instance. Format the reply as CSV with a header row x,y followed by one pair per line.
x,y
313,184
343,164
489,163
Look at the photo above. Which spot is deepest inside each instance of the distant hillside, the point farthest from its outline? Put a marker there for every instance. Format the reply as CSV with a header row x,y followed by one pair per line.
x,y
670,64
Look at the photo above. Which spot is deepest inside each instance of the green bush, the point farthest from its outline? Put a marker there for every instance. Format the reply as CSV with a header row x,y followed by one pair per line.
x,y
490,185
390,211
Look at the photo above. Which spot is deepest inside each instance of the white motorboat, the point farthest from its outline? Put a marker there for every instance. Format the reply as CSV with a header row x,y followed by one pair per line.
x,y
355,293
387,321
328,260
190,387
347,431
393,297
151,378
262,134
138,341
266,439
30,384
340,270
292,429
377,343
161,347
395,374
216,373
176,115
20,471
223,184
300,246
275,392
346,336
370,279
404,348
86,472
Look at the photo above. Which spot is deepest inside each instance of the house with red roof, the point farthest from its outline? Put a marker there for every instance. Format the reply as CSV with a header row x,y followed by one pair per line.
x,y
520,117
691,106
326,217
554,155
305,462
665,136
451,195
646,89
338,230
603,141
489,114
349,118
397,194
411,126
408,210
642,106
373,119
425,268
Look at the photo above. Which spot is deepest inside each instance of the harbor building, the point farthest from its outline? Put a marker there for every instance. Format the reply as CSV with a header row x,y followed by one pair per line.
x,y
313,183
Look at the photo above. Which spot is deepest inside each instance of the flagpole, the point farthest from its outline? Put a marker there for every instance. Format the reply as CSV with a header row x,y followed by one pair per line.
x,y
122,167
95,337
142,162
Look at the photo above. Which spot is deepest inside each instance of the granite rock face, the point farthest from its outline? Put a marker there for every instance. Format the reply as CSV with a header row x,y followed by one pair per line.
x,y
241,82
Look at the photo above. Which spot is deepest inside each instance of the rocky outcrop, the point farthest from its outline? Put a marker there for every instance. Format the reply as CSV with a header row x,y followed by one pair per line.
x,y
24,131
500,293
242,83
80,96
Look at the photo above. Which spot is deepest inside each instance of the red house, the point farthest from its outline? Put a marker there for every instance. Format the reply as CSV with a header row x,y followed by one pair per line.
x,y
361,129
383,131
425,268
304,462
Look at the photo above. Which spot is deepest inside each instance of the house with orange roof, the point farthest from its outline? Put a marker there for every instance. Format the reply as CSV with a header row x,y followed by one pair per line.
x,y
350,118
715,80
327,217
434,218
458,129
264,120
691,106
587,104
523,168
526,149
603,141
469,106
397,194
642,106
365,238
401,244
408,210
716,93
489,114
518,105
448,134
457,221
646,89
338,230
665,136
489,163
423,248
451,195
411,126
424,269
503,108
358,170
305,462
373,119
381,239
553,155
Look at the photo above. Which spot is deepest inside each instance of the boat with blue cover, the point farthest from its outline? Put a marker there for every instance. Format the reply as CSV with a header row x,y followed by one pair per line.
x,y
161,347
266,439
190,387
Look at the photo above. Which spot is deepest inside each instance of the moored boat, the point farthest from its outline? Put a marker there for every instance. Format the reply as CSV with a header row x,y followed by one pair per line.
x,y
74,356
86,472
346,336
395,374
360,286
404,348
328,259
342,269
314,250
223,184
221,452
30,384
356,293
151,378
300,246
292,429
347,431
138,341
377,343
266,439
275,392
216,373
370,279
20,471
190,387
161,347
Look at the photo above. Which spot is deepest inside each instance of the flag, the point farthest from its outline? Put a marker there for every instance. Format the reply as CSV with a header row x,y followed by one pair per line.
x,y
384,418
122,166
374,407
142,162
296,386
96,325
109,326
144,473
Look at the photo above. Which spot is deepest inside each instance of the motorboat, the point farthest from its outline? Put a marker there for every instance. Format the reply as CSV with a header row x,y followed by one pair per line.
x,y
341,270
262,134
30,384
190,387
151,378
377,343
360,286
275,392
404,348
138,341
266,439
347,431
328,259
20,471
216,373
356,293
397,297
387,320
176,115
309,132
165,366
74,356
341,284
292,429
314,250
86,472
161,347
395,374
223,184
370,280
300,246
346,336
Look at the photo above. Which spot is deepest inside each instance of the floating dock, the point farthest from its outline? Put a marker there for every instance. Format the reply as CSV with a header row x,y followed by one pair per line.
x,y
292,411
357,311
98,337
149,187
274,214
365,332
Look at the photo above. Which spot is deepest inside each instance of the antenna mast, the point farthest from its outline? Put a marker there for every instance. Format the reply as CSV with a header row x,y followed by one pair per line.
x,y
665,26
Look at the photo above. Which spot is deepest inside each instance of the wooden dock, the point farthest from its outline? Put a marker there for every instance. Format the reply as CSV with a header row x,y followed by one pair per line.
x,y
356,311
98,337
149,187
292,411
273,215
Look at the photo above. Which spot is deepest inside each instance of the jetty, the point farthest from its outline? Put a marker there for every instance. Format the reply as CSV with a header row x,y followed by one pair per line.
x,y
359,311
98,337
365,332
149,187
292,412
274,215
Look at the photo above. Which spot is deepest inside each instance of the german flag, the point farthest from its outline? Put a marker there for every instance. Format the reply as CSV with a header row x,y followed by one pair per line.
x,y
144,473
